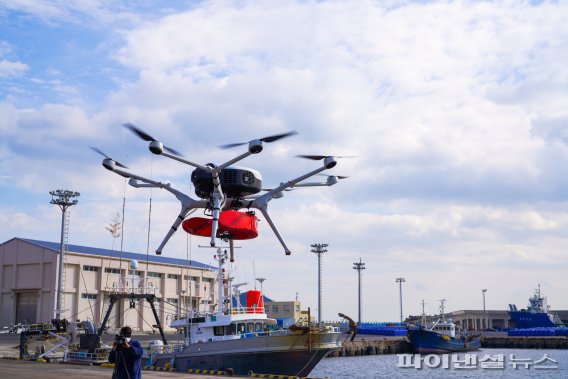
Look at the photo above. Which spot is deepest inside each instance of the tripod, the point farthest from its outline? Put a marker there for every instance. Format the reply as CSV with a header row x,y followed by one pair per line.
x,y
119,360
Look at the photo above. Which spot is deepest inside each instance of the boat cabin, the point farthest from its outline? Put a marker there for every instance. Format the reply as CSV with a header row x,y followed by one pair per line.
x,y
220,327
445,328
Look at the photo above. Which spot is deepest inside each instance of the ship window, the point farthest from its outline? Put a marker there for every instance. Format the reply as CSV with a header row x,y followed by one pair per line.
x,y
258,327
231,330
250,327
218,330
240,328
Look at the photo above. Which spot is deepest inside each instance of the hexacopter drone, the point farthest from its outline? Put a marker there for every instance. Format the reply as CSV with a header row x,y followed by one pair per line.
x,y
223,190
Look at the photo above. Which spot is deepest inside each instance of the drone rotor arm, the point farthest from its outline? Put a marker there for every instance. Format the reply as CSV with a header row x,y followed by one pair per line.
x,y
265,198
264,211
232,161
187,162
185,211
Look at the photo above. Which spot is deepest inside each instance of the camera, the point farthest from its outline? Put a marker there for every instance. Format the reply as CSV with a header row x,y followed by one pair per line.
x,y
119,339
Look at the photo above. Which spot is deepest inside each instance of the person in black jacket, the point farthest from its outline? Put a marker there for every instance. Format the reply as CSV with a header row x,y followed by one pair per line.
x,y
126,354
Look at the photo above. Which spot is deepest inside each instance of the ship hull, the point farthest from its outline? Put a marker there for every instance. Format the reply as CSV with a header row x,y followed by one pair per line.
x,y
427,342
288,355
525,320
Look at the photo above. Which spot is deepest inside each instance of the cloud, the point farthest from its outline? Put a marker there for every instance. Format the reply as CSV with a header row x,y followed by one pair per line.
x,y
455,112
12,69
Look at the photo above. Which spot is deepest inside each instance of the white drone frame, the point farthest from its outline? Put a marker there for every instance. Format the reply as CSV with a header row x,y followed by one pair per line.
x,y
220,201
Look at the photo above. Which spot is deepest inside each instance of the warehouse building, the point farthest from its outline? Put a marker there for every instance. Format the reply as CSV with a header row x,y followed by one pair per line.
x,y
28,279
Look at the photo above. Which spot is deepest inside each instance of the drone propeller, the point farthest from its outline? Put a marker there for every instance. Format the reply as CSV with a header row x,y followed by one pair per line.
x,y
107,157
337,176
146,137
268,139
320,157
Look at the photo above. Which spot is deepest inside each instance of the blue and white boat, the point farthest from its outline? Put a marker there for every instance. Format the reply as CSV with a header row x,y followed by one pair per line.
x,y
537,314
243,340
440,338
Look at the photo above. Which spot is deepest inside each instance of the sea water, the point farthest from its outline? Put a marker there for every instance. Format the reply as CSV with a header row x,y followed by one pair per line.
x,y
507,363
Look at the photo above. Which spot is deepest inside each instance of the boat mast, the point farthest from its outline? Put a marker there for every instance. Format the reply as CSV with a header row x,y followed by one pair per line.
x,y
221,256
442,301
423,320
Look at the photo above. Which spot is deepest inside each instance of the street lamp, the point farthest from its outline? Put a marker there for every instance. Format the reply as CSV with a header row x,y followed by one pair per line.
x,y
400,281
64,199
484,311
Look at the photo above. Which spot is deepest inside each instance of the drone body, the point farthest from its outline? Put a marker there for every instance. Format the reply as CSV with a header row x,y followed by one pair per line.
x,y
236,182
222,190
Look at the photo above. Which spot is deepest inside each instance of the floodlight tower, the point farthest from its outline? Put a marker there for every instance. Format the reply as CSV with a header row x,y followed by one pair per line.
x,y
319,249
359,266
484,311
64,199
400,281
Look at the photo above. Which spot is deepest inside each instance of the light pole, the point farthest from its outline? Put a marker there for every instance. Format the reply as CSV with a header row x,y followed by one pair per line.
x,y
64,199
359,266
319,249
400,281
484,311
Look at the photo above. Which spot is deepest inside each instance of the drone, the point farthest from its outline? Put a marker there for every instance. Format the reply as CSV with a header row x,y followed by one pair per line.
x,y
223,191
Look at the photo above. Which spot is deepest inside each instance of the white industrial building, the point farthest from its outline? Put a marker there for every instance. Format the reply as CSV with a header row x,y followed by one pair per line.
x,y
28,278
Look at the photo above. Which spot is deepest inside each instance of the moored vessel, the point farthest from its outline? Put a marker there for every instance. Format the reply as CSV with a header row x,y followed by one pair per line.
x,y
243,339
537,314
441,337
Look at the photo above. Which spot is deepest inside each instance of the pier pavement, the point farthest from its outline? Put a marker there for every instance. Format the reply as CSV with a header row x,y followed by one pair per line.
x,y
10,368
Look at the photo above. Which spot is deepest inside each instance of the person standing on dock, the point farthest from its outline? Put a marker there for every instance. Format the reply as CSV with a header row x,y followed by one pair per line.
x,y
126,354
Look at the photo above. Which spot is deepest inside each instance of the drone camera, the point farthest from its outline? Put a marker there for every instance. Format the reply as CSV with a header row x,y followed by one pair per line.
x,y
255,146
156,147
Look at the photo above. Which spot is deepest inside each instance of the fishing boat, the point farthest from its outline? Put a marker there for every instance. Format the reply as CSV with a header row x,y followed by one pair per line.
x,y
441,337
244,340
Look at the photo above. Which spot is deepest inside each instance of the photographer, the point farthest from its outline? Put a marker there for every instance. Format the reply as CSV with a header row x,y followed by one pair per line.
x,y
126,354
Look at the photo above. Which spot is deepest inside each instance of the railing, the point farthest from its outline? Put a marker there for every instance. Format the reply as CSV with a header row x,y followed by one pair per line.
x,y
100,356
133,285
245,310
46,326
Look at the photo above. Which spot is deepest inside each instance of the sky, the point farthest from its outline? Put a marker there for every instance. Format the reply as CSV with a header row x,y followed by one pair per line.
x,y
456,111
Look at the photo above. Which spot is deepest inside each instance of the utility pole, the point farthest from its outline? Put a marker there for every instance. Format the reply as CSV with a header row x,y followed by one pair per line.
x,y
64,199
319,249
484,311
400,281
359,266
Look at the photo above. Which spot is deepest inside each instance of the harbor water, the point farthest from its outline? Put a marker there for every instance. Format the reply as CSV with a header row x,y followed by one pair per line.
x,y
387,366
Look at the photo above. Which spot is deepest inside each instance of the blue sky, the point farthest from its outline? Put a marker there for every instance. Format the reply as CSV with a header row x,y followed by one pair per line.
x,y
457,112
